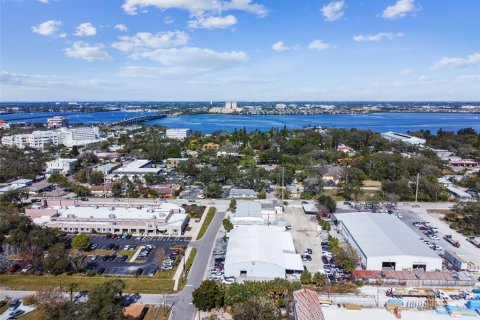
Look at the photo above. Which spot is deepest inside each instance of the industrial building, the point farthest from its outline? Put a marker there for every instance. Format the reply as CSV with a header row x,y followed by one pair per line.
x,y
252,212
394,136
71,216
260,251
385,243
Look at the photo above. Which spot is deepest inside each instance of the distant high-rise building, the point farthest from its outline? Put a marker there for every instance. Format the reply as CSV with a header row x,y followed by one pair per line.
x,y
230,107
57,122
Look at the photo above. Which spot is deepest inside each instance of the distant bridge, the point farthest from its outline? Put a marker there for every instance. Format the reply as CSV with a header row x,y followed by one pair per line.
x,y
138,119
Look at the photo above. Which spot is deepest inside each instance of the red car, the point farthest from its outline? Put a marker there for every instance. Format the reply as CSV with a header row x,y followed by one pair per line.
x,y
13,268
424,228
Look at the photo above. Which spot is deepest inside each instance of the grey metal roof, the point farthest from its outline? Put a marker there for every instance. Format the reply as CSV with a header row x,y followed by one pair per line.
x,y
380,235
248,209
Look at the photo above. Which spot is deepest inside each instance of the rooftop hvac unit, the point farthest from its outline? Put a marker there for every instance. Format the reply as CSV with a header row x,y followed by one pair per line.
x,y
112,208
154,217
150,210
112,215
70,215
96,207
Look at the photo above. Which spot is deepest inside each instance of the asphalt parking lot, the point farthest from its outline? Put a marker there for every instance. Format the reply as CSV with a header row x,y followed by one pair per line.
x,y
125,268
305,235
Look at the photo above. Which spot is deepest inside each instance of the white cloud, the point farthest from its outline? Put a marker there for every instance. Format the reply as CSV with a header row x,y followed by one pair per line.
x,y
468,78
457,62
280,46
406,72
318,45
85,30
197,6
333,11
53,82
47,28
121,27
156,72
400,9
379,36
85,51
194,57
168,20
212,22
43,1
145,41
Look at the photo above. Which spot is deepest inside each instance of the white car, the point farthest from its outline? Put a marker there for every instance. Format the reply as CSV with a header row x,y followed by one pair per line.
x,y
126,247
438,248
228,280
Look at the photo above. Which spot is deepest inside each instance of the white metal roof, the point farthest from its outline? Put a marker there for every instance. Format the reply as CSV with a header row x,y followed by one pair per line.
x,y
133,212
138,166
258,243
380,235
248,209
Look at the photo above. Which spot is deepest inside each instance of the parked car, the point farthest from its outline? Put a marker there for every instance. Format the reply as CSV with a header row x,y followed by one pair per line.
x,y
139,272
100,270
113,257
13,268
93,246
94,258
106,258
308,251
152,272
306,257
16,313
15,304
126,247
27,268
123,258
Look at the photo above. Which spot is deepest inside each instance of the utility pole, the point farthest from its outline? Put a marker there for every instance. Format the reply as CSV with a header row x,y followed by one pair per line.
x,y
283,182
416,191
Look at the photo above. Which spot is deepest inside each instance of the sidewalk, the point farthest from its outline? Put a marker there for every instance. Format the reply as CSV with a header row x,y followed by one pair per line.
x,y
193,233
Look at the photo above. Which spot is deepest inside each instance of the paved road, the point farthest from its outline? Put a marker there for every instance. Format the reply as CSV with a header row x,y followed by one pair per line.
x,y
183,309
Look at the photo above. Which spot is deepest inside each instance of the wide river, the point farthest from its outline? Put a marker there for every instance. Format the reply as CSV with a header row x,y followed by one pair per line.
x,y
208,123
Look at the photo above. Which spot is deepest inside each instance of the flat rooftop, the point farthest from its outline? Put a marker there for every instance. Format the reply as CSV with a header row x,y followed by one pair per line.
x,y
132,212
380,235
138,166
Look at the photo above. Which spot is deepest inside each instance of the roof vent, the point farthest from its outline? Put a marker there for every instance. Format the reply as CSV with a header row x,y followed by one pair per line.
x,y
112,215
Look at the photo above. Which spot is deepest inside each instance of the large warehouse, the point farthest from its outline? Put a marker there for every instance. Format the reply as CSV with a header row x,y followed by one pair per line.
x,y
260,251
384,242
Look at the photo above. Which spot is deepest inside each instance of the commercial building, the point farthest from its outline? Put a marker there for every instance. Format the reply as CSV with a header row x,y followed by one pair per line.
x,y
66,136
394,136
242,194
385,243
177,133
60,165
57,122
260,251
137,168
70,216
250,213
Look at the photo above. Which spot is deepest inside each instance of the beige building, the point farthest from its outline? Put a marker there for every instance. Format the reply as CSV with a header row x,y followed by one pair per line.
x,y
143,219
230,107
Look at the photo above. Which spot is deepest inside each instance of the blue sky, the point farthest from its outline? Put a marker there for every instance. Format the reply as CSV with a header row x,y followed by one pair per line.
x,y
247,50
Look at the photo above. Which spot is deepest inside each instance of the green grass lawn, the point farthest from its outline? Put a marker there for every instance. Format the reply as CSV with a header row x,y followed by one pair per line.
x,y
133,284
188,265
5,307
128,253
208,219
34,315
